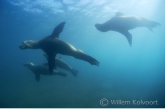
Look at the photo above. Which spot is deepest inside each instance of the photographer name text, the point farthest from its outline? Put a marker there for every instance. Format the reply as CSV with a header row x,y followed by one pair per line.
x,y
133,102
105,102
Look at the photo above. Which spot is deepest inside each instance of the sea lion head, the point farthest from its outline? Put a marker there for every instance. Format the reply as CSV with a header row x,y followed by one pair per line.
x,y
100,27
27,44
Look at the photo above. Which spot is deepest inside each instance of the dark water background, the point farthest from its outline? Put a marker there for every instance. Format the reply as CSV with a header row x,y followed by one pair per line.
x,y
125,73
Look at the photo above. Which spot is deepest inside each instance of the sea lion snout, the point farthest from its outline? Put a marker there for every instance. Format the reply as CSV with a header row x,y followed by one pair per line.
x,y
22,46
97,25
26,44
100,27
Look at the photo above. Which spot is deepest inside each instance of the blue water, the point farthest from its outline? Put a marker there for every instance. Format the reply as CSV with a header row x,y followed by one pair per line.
x,y
125,73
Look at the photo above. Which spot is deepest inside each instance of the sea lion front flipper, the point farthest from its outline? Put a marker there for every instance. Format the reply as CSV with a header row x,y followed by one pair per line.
x,y
51,62
128,36
37,77
57,30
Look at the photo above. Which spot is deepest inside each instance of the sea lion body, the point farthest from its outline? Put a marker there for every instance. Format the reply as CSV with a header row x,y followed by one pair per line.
x,y
42,70
51,45
122,24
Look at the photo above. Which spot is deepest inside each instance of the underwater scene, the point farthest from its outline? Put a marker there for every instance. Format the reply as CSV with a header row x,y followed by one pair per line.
x,y
82,54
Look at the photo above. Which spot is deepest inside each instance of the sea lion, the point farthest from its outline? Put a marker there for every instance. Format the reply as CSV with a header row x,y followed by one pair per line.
x,y
122,24
42,70
51,45
63,65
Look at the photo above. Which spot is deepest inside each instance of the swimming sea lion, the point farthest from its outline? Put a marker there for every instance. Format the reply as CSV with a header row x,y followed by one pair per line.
x,y
51,45
42,70
122,24
63,65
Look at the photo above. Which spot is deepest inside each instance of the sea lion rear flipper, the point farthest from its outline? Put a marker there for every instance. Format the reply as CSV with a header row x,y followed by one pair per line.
x,y
152,25
37,77
149,24
85,57
51,63
128,36
74,72
57,30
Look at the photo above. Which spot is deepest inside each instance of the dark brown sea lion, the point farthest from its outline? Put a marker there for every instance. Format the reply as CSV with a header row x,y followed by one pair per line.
x,y
122,24
51,45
